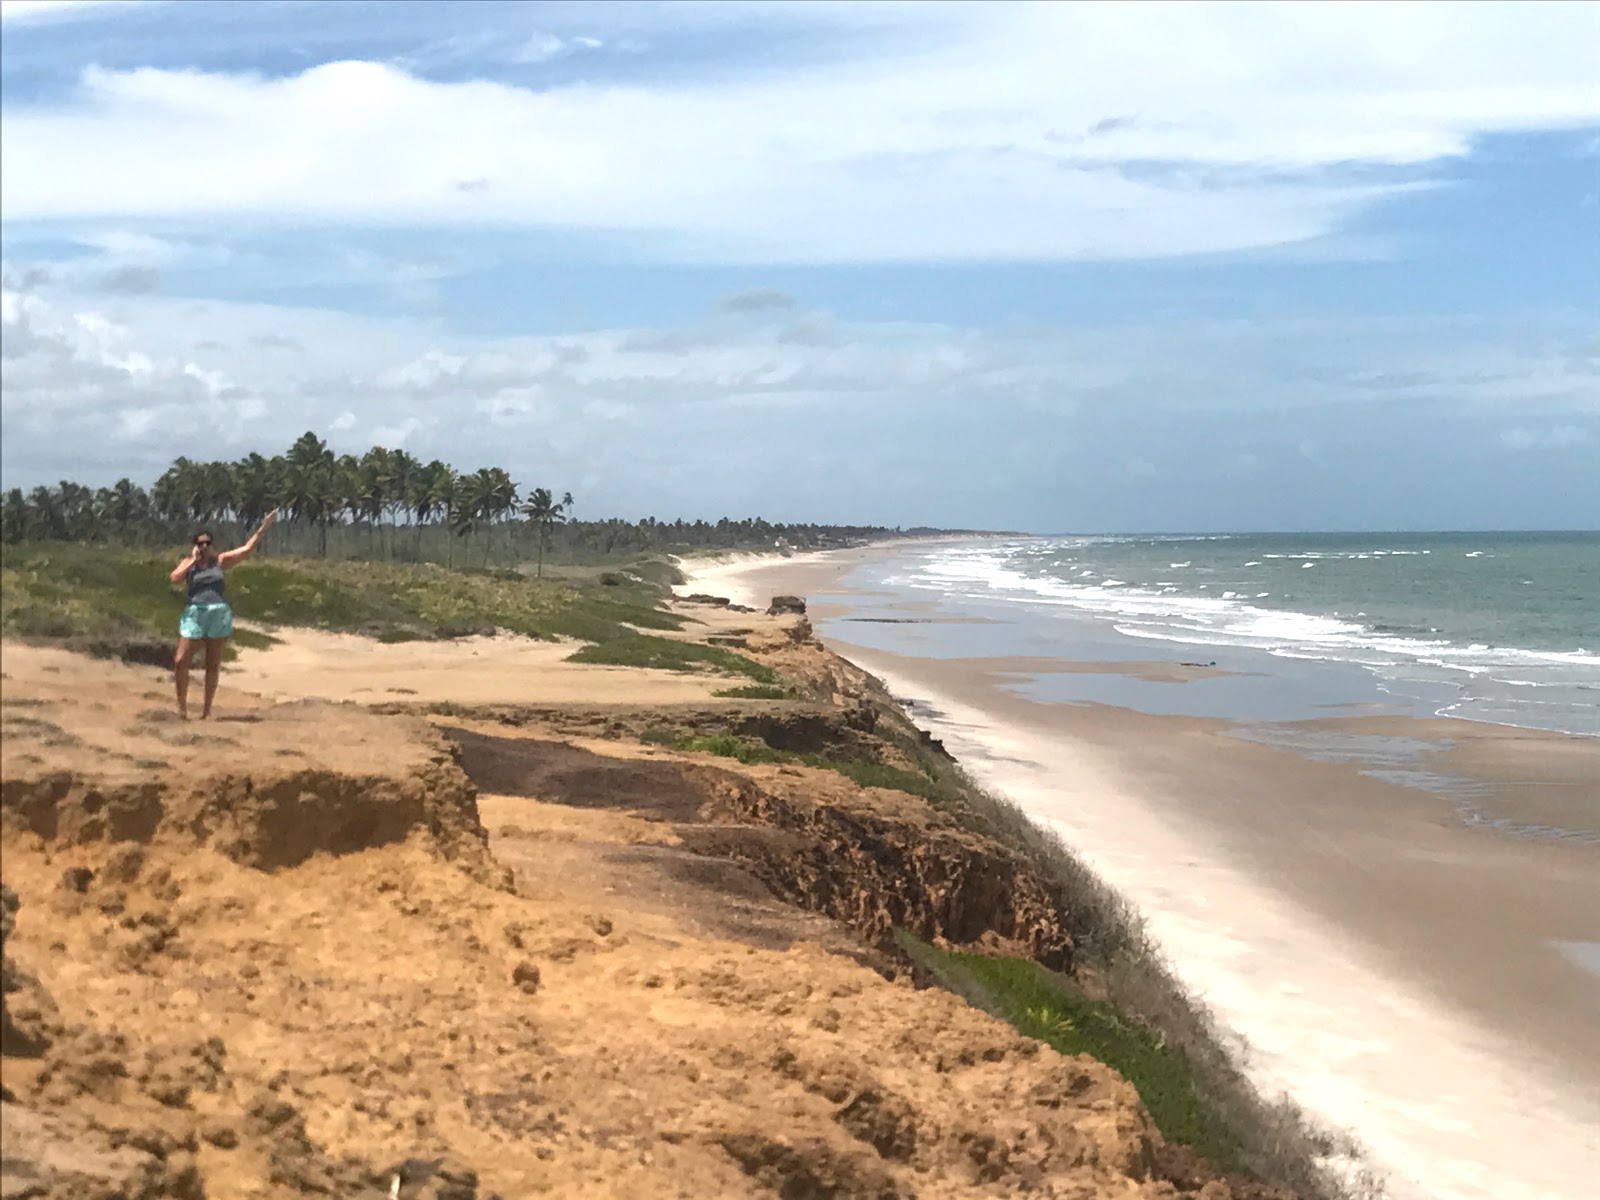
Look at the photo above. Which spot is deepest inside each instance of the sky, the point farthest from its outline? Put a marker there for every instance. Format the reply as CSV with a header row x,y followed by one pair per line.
x,y
1048,267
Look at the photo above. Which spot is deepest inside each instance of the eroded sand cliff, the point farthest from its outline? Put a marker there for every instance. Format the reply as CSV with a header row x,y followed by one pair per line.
x,y
511,950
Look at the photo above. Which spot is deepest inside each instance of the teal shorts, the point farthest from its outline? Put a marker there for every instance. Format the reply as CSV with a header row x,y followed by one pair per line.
x,y
206,621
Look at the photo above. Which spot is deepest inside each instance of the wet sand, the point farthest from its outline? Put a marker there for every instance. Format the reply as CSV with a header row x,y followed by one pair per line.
x,y
1405,966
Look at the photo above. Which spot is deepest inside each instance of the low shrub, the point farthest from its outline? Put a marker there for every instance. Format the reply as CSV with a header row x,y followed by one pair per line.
x,y
755,691
643,650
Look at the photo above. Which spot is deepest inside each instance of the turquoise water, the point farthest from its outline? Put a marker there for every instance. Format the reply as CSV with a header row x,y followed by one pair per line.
x,y
1499,627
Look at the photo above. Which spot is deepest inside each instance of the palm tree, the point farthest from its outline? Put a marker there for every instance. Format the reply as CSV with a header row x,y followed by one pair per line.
x,y
126,503
465,510
542,510
404,470
310,486
373,481
500,500
431,494
256,483
219,492
16,517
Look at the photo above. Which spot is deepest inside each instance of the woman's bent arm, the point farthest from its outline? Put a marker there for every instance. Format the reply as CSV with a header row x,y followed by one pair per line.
x,y
178,572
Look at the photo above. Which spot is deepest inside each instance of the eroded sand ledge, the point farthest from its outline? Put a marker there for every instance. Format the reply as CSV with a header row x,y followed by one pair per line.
x,y
287,951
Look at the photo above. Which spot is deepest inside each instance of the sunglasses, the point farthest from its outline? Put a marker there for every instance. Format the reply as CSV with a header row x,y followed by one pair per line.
x,y
203,542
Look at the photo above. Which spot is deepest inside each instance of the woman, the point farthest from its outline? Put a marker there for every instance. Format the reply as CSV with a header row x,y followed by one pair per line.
x,y
207,617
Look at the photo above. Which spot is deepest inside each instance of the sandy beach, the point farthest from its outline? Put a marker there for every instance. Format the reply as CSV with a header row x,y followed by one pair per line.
x,y
1406,970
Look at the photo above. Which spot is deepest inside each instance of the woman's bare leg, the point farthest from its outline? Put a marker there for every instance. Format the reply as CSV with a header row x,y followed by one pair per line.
x,y
213,669
180,674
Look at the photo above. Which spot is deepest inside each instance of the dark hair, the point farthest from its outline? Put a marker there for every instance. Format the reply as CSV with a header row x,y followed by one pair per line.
x,y
200,533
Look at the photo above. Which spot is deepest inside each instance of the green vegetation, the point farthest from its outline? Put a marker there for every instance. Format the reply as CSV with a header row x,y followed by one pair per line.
x,y
84,593
728,745
756,691
753,750
62,590
642,650
1048,1006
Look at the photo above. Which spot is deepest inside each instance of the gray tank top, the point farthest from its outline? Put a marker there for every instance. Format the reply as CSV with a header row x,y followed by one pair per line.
x,y
205,585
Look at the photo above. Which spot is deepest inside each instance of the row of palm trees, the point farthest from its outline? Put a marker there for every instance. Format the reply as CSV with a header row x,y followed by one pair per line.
x,y
314,490
384,503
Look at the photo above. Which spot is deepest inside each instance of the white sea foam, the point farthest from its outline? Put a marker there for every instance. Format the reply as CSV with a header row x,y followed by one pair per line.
x,y
1162,613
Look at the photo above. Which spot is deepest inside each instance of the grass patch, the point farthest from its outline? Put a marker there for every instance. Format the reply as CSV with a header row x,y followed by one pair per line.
x,y
72,591
753,750
728,745
755,691
870,774
1044,1005
643,650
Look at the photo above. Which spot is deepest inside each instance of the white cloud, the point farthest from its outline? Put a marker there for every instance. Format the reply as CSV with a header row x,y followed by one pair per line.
x,y
973,132
734,410
81,387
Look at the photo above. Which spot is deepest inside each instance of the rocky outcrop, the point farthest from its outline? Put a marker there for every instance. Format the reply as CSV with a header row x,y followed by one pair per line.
x,y
786,605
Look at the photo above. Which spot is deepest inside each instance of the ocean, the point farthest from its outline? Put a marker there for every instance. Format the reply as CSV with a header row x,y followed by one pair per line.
x,y
1501,627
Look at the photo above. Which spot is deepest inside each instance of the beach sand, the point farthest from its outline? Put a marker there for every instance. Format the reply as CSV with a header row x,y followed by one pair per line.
x,y
1405,975
501,669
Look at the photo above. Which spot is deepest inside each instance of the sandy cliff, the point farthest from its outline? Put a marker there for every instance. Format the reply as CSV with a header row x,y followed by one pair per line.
x,y
318,948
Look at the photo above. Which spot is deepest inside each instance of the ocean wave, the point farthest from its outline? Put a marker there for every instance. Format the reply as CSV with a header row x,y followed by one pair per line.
x,y
1231,620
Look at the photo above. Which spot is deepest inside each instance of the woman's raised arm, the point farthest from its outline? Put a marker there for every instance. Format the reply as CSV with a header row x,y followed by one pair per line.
x,y
240,553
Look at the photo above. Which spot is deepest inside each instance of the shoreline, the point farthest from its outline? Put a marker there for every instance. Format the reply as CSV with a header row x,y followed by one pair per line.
x,y
1333,935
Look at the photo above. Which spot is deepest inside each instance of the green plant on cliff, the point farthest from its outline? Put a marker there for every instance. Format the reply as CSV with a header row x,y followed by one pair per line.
x,y
756,691
642,650
1048,1006
728,745
753,750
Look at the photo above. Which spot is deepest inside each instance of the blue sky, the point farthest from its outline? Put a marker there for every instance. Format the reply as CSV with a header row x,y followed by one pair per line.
x,y
1055,267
